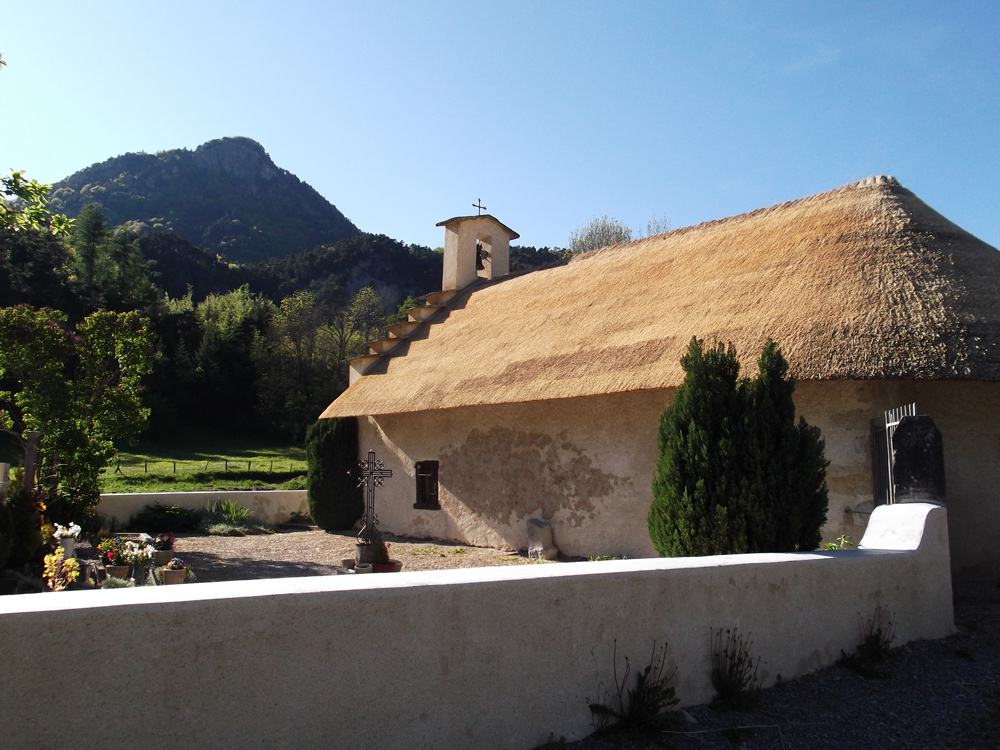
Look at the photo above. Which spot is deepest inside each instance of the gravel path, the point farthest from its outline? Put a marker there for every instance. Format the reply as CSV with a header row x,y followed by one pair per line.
x,y
941,695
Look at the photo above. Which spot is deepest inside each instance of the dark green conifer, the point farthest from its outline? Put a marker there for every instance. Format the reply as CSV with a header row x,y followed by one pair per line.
x,y
736,474
335,500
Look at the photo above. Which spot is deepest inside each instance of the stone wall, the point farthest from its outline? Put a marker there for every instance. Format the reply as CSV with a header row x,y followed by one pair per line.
x,y
488,657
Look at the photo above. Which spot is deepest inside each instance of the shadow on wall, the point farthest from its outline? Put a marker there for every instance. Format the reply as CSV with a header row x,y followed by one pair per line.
x,y
501,471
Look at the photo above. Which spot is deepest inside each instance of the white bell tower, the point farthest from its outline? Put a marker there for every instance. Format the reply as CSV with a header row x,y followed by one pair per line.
x,y
475,247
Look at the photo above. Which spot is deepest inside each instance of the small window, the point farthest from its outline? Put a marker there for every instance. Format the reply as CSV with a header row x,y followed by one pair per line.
x,y
427,486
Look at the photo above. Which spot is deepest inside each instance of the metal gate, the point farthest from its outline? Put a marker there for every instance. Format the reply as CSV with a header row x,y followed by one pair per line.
x,y
881,437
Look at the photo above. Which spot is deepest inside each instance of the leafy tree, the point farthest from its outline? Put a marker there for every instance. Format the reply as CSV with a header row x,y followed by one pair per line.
x,y
367,314
226,376
597,233
300,359
656,225
79,388
529,258
335,500
22,205
400,315
35,270
735,473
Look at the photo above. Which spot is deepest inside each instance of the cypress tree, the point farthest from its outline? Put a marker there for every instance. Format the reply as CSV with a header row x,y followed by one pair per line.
x,y
335,500
692,486
736,474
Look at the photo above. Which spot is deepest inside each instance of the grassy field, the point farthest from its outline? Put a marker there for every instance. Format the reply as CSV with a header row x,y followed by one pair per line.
x,y
207,463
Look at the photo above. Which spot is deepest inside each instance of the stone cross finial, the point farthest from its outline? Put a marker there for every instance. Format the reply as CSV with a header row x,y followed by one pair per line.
x,y
371,476
478,205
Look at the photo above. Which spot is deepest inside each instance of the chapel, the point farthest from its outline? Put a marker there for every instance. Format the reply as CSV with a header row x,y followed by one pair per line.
x,y
507,398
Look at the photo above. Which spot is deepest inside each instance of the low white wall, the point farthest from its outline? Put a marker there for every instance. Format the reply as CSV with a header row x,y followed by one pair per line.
x,y
484,658
270,506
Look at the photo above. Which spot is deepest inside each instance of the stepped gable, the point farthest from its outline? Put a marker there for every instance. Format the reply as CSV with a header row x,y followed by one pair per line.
x,y
862,282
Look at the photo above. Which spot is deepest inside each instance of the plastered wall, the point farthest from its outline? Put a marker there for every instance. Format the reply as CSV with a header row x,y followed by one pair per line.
x,y
583,464
587,465
476,658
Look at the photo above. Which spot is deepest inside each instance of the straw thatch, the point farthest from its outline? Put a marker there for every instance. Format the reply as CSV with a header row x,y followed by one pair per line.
x,y
862,282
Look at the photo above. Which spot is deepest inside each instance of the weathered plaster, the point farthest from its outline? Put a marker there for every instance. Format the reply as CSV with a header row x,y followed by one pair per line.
x,y
968,416
583,464
586,465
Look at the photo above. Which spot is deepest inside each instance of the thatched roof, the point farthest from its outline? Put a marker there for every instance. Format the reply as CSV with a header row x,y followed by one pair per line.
x,y
862,282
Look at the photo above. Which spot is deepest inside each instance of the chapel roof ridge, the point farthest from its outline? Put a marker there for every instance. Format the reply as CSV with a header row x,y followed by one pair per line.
x,y
877,180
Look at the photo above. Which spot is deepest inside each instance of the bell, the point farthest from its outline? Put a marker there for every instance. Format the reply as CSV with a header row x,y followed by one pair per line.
x,y
480,255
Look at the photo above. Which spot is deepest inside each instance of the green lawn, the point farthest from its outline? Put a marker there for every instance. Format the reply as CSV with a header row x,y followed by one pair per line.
x,y
206,463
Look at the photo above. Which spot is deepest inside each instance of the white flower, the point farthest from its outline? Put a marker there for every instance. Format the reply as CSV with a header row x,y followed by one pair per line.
x,y
66,532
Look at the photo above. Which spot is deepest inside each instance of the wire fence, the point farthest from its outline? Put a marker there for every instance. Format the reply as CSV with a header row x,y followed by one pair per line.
x,y
257,465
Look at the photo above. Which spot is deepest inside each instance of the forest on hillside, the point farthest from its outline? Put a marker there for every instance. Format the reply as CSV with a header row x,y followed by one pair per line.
x,y
249,348
226,196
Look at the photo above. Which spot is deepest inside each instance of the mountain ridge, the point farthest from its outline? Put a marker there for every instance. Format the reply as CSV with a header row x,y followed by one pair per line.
x,y
227,196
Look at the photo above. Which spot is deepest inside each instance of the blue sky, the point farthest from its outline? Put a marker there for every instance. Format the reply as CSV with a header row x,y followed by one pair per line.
x,y
404,114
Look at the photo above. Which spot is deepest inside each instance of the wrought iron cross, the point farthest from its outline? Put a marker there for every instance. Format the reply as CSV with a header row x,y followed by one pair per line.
x,y
372,474
478,205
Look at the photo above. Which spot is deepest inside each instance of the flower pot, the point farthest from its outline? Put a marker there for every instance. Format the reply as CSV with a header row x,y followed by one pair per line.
x,y
347,562
363,568
68,544
173,576
162,557
117,571
393,566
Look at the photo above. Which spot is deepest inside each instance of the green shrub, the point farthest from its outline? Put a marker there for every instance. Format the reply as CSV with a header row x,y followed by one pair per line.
x,y
227,518
335,500
735,473
297,483
158,518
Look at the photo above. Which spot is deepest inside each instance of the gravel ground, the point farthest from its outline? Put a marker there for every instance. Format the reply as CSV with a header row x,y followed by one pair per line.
x,y
940,695
310,552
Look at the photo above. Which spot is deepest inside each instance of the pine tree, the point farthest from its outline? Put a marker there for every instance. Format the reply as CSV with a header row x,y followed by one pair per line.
x,y
736,474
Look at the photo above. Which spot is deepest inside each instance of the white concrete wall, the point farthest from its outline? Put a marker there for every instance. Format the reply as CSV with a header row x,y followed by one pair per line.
x,y
270,506
476,658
